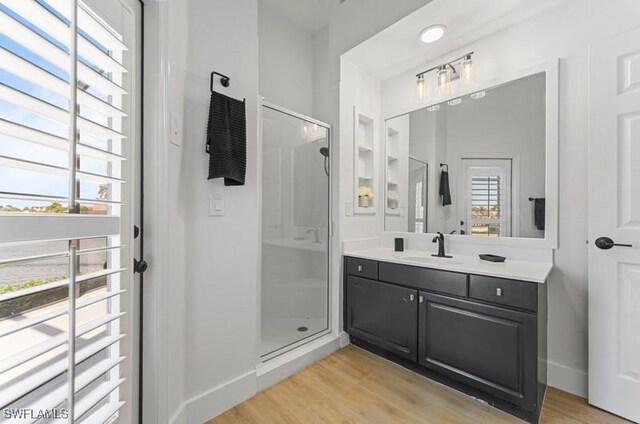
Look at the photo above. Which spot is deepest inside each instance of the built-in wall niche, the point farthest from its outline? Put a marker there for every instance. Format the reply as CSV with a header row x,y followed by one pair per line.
x,y
393,172
364,168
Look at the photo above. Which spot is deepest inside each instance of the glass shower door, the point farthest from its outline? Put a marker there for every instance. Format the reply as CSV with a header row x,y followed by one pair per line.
x,y
295,217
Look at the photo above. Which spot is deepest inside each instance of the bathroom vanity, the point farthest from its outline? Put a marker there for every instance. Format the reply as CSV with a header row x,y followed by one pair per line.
x,y
478,327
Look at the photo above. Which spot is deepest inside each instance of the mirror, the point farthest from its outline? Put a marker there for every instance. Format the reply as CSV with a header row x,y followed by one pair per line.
x,y
474,165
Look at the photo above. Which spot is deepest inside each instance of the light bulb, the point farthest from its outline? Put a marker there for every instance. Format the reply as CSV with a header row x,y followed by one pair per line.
x,y
422,87
466,71
444,80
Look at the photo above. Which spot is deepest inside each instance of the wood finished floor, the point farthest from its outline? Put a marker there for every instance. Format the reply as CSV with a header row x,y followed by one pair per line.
x,y
354,386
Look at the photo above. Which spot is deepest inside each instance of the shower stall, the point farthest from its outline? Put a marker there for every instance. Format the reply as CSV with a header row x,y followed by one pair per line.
x,y
295,256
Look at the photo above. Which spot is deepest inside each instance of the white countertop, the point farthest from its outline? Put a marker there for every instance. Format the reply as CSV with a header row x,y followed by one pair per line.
x,y
536,272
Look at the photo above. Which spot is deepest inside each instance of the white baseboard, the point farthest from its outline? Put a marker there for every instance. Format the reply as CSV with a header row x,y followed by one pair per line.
x,y
217,400
344,339
568,379
180,416
290,363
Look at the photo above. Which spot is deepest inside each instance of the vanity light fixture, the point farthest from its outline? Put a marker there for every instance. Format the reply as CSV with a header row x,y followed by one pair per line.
x,y
466,71
432,33
422,87
478,95
454,102
444,79
458,69
433,108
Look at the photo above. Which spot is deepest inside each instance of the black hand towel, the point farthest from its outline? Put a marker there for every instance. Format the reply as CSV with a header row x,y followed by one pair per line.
x,y
539,206
227,139
444,191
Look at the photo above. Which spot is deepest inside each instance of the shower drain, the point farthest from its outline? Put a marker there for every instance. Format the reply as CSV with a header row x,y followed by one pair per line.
x,y
302,329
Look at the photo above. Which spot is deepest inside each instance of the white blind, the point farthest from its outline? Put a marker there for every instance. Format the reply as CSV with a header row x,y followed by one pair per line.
x,y
64,155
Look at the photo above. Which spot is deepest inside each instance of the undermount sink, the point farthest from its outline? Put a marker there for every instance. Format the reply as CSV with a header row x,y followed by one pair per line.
x,y
431,260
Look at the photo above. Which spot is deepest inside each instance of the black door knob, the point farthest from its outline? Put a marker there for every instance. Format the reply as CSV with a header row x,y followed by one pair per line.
x,y
606,243
139,266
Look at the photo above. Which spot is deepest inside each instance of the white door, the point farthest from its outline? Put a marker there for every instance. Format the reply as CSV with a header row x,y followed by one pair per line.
x,y
614,212
69,125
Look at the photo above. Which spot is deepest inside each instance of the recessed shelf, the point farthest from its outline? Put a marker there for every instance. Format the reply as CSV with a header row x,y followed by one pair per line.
x,y
364,160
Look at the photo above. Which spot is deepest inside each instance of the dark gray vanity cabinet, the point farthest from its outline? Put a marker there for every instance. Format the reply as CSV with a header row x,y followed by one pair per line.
x,y
485,336
488,347
384,315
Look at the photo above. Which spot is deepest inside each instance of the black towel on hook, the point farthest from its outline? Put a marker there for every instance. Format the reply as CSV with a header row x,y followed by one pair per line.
x,y
444,191
539,206
227,139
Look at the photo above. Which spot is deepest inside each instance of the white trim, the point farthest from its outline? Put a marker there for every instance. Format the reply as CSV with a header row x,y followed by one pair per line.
x,y
157,61
568,379
551,70
219,399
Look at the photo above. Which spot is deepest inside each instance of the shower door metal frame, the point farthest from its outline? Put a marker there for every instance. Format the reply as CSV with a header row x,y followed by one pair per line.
x,y
263,359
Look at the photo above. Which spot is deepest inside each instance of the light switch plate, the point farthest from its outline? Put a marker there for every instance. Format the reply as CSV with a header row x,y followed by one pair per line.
x,y
176,130
216,204
348,208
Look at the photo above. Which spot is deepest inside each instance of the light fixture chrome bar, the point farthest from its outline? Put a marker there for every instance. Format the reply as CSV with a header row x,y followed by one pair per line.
x,y
449,64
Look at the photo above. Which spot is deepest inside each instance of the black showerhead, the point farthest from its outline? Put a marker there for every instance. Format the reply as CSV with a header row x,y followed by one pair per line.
x,y
324,151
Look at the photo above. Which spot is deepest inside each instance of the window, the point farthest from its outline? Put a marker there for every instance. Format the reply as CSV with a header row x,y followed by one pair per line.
x,y
488,197
419,227
66,142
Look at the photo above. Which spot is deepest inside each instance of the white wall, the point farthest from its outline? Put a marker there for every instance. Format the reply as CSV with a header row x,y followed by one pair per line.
x,y
286,62
564,33
221,267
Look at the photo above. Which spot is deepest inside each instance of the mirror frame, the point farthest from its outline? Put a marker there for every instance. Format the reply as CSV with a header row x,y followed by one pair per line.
x,y
551,70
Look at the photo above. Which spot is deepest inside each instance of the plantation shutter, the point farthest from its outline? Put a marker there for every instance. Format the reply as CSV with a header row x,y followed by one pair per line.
x,y
66,147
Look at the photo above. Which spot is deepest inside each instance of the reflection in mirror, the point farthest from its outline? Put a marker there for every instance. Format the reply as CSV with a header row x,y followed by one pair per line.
x,y
474,165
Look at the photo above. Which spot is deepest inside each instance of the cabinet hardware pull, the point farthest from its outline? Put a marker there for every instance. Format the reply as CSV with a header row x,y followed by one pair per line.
x,y
498,292
411,297
421,299
359,268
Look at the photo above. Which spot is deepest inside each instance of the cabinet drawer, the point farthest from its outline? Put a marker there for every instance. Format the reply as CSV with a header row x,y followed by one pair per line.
x,y
424,278
365,268
518,294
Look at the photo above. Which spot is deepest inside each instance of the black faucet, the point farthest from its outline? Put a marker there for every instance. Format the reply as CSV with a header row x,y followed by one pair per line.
x,y
440,240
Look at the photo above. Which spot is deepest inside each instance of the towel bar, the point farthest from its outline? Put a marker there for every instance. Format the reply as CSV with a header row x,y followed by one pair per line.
x,y
224,80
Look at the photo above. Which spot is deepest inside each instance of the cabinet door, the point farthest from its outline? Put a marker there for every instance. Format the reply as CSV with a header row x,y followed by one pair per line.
x,y
488,347
383,315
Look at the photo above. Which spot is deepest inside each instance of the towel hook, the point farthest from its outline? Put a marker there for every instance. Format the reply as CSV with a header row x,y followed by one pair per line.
x,y
224,80
445,165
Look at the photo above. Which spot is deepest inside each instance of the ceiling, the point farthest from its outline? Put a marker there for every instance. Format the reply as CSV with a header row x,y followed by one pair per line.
x,y
466,21
308,15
